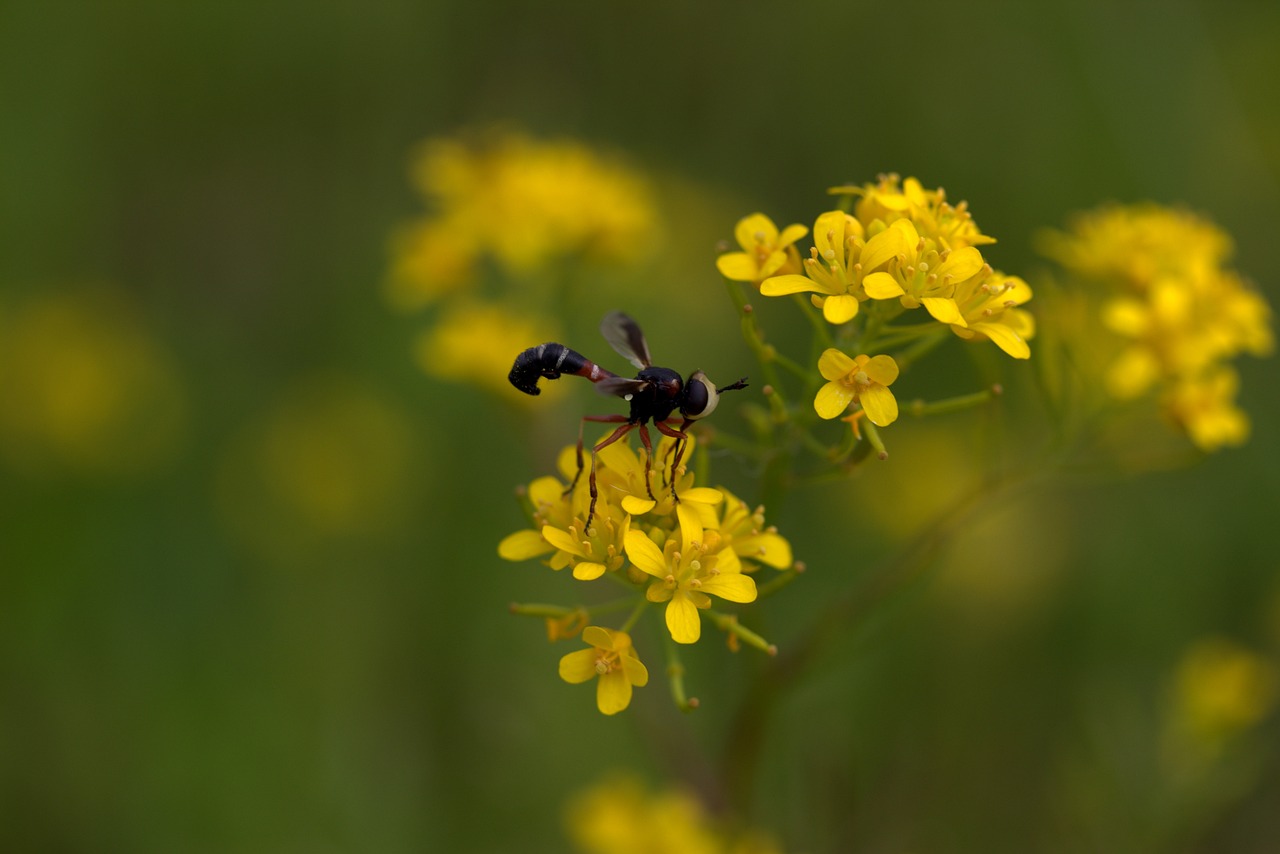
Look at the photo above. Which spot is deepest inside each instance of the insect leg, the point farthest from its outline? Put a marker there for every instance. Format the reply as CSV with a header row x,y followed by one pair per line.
x,y
599,419
648,458
680,436
605,442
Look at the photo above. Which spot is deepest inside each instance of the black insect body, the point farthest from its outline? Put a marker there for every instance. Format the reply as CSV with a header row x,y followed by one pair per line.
x,y
655,394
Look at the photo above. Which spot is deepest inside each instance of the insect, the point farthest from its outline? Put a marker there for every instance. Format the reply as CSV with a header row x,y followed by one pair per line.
x,y
655,394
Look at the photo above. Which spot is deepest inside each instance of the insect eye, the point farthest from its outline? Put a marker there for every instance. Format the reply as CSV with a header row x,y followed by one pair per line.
x,y
700,397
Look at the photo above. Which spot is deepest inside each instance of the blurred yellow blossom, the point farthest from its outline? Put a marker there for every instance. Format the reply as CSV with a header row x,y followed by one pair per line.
x,y
619,815
888,201
1178,311
521,202
331,460
1220,690
612,659
85,386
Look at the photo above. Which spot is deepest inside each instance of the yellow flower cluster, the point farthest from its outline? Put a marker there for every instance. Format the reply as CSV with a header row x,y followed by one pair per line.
x,y
506,213
619,815
1180,311
676,544
901,242
520,203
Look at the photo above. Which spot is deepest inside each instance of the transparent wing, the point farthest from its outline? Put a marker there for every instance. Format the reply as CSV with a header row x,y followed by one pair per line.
x,y
621,387
624,335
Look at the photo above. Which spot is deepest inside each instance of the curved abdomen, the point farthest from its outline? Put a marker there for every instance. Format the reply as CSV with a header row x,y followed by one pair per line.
x,y
549,361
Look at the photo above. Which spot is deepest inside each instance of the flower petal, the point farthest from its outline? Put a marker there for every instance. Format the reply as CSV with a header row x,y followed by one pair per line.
x,y
832,399
765,547
637,674
579,666
682,619
791,234
840,308
562,540
547,490
586,570
882,286
834,364
1005,338
727,561
828,234
900,238
880,405
637,506
961,264
523,545
601,637
733,587
690,526
791,283
702,495
645,555
737,267
755,229
613,693
944,310
881,369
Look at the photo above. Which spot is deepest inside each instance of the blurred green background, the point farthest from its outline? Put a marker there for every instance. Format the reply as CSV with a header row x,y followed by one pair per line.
x,y
264,611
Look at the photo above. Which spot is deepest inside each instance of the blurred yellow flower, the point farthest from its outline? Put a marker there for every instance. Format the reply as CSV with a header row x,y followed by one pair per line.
x,y
1178,311
331,460
1220,690
619,816
473,342
864,380
85,386
612,659
765,251
524,204
745,535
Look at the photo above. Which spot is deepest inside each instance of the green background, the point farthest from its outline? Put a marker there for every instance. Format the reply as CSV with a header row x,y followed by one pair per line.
x,y
175,680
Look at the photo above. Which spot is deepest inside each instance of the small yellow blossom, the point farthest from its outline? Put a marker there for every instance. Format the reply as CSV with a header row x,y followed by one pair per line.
x,y
764,253
597,550
745,535
924,273
687,574
841,257
551,507
624,478
986,306
951,225
864,380
611,658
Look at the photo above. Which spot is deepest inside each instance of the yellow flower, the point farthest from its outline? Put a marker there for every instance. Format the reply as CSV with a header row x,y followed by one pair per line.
x,y
841,256
986,306
951,225
923,274
764,253
612,659
551,506
745,536
521,202
687,576
595,552
864,380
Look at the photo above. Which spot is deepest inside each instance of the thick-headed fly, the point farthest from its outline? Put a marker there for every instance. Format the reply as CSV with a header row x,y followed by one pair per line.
x,y
655,394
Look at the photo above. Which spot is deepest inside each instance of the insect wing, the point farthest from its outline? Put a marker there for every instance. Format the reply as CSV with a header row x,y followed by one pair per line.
x,y
621,387
624,336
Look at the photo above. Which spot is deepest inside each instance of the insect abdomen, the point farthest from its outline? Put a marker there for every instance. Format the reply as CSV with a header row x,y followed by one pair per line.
x,y
550,360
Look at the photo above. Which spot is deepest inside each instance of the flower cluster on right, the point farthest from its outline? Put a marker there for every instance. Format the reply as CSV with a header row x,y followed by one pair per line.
x,y
1180,312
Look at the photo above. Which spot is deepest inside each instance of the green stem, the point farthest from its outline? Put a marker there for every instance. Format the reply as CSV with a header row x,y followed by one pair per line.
x,y
675,675
635,615
952,404
729,623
